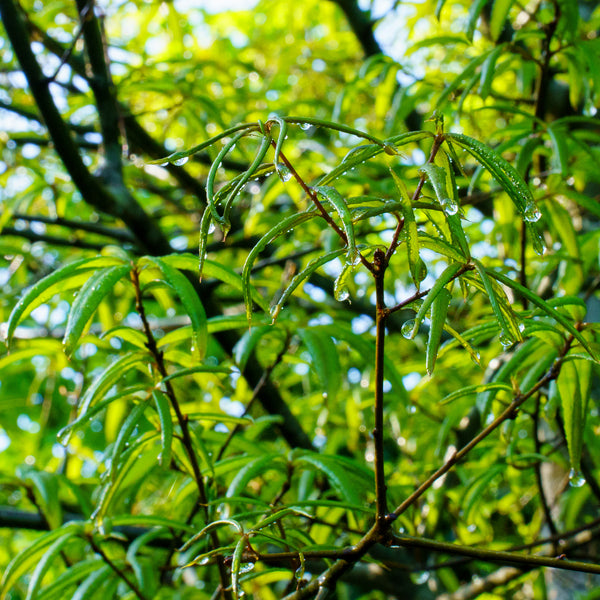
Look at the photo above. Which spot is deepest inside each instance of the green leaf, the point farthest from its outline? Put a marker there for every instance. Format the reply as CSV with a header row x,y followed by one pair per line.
x,y
508,177
254,468
324,359
335,199
123,437
439,310
304,274
336,472
191,304
65,278
500,305
236,564
572,385
23,560
282,227
545,307
87,301
45,491
449,273
475,389
474,12
57,590
488,69
45,563
90,585
500,11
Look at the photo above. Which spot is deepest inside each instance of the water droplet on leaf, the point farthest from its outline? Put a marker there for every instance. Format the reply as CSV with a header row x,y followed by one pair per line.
x,y
532,213
181,161
449,206
505,340
305,126
245,568
283,172
407,330
576,478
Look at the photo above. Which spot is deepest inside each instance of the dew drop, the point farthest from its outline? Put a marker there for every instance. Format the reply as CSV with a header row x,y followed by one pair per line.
x,y
532,213
522,327
408,330
211,228
181,161
245,568
576,478
163,164
342,293
505,340
420,578
283,172
449,206
305,126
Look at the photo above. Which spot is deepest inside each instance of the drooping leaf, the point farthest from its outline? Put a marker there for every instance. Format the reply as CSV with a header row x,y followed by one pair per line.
x,y
324,359
68,277
500,10
191,303
86,302
439,310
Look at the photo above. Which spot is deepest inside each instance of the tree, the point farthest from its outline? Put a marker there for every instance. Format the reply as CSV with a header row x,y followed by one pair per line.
x,y
378,379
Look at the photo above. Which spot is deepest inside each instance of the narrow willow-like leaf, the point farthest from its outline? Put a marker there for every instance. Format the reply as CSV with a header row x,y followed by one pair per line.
x,y
324,359
205,224
191,303
545,307
463,342
109,377
84,418
508,370
370,152
45,563
45,492
474,12
282,227
281,514
140,458
560,156
439,310
236,565
475,389
166,428
504,315
283,126
440,246
87,300
68,277
211,268
214,525
23,560
508,177
254,468
572,385
243,349
341,286
474,494
335,199
140,570
175,156
123,436
90,585
304,274
336,473
468,72
499,15
211,200
59,588
198,369
415,264
449,273
265,144
488,70
366,348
